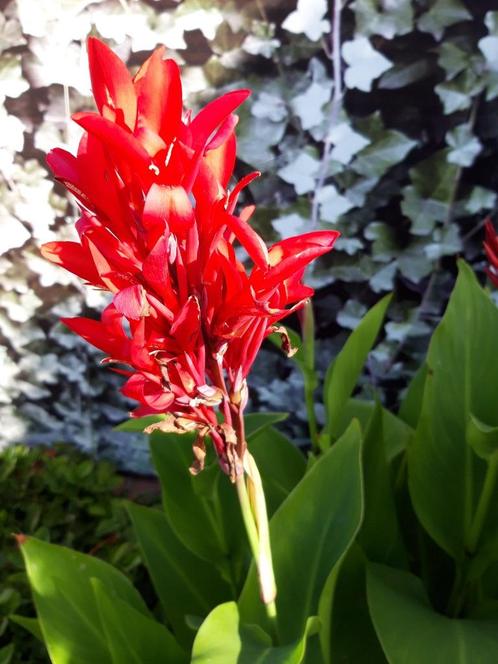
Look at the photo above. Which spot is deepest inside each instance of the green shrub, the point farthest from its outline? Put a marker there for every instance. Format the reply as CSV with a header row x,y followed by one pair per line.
x,y
59,495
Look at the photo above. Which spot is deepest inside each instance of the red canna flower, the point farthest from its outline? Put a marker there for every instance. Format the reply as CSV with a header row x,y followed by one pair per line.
x,y
158,230
491,249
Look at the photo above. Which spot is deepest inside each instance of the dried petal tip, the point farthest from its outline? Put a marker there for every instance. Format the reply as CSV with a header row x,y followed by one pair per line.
x,y
20,538
199,450
287,346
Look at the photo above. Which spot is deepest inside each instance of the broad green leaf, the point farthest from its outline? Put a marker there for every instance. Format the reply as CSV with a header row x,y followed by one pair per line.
x,y
347,633
6,654
65,602
256,422
31,625
396,432
132,637
222,639
411,632
188,507
411,405
482,438
185,584
139,423
309,533
462,379
343,373
280,463
379,535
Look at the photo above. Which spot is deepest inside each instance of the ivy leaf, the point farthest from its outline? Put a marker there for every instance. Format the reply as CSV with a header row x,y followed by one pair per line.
x,y
332,204
457,94
465,146
388,147
480,199
308,19
427,201
442,14
402,75
387,18
301,172
308,105
347,142
269,106
365,63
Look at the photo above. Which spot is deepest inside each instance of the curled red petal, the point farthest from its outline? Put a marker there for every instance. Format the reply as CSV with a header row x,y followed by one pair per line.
x,y
213,115
132,302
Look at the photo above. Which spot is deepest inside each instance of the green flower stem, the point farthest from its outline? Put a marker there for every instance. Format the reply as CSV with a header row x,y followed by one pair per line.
x,y
484,503
309,373
253,508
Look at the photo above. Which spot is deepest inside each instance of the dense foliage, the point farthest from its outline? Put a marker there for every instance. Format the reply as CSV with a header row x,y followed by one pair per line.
x,y
62,496
402,163
387,534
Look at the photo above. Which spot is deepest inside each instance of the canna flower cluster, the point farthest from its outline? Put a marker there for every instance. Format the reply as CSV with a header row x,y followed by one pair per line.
x,y
491,249
158,229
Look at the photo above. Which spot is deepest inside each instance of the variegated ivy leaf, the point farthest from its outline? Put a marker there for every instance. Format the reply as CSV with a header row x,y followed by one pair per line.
x,y
301,172
12,83
480,199
347,142
332,204
365,63
308,106
291,224
269,106
308,18
387,17
489,45
441,15
465,146
351,314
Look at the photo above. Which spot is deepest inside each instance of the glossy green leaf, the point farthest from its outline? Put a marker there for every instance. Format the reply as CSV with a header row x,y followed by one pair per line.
x,y
411,405
185,584
6,654
280,463
343,373
31,625
132,637
256,422
310,532
188,501
396,432
482,438
347,633
65,602
379,535
222,639
444,475
411,632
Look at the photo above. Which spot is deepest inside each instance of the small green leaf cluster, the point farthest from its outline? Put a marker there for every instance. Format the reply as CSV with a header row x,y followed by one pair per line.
x,y
384,539
63,496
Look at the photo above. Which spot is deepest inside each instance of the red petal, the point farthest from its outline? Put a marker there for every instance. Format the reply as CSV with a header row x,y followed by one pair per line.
x,y
97,334
186,327
221,161
168,204
74,257
123,144
131,302
111,82
159,98
213,114
249,239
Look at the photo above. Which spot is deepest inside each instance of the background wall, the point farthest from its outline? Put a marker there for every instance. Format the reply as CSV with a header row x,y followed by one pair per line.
x,y
394,143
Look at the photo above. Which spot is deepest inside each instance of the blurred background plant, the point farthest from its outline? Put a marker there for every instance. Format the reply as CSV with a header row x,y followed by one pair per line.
x,y
63,496
394,143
